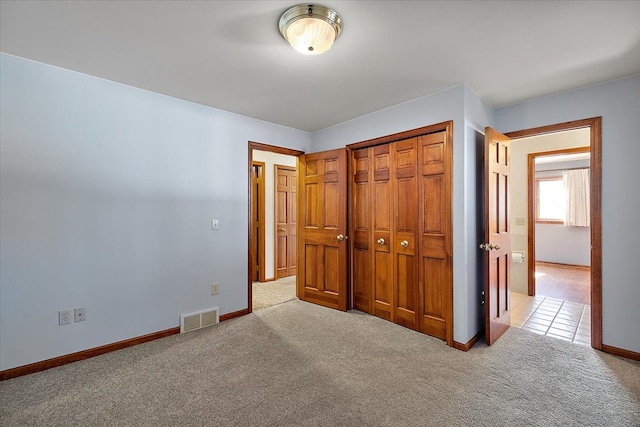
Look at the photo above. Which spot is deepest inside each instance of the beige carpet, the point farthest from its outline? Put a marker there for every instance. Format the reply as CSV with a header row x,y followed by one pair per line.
x,y
268,294
297,364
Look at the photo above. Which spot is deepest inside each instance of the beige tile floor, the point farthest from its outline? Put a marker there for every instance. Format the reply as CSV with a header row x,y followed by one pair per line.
x,y
569,321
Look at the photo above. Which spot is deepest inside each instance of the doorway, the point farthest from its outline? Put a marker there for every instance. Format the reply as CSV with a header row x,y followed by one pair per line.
x,y
545,314
268,282
558,194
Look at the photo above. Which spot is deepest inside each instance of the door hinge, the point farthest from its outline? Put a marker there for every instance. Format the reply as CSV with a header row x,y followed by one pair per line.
x,y
482,298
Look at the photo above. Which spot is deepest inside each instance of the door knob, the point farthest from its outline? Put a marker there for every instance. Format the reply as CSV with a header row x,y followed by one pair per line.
x,y
489,246
404,244
282,229
381,241
340,237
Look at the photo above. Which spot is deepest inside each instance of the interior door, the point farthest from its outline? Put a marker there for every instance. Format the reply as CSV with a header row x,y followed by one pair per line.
x,y
322,220
436,296
405,298
361,230
285,211
497,234
383,219
257,222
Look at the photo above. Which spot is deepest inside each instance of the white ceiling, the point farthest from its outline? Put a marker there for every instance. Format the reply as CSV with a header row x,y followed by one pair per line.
x,y
230,55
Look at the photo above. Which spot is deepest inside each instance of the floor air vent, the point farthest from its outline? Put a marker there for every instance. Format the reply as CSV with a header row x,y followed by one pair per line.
x,y
202,319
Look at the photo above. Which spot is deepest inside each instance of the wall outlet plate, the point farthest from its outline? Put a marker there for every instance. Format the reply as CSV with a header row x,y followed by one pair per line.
x,y
64,317
215,288
80,314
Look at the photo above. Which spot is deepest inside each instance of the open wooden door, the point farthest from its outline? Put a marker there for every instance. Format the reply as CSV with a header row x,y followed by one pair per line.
x,y
322,227
497,234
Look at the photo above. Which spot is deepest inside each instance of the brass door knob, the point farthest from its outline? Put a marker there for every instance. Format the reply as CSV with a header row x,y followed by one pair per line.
x,y
340,237
381,241
489,246
282,229
404,244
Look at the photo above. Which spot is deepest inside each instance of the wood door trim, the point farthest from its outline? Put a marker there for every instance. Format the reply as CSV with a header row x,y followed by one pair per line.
x,y
84,354
97,351
467,346
558,127
350,231
532,209
274,149
233,314
252,145
633,355
595,125
438,127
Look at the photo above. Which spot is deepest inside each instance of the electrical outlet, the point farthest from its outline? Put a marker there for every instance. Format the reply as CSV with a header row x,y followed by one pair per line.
x,y
64,317
214,224
80,314
215,288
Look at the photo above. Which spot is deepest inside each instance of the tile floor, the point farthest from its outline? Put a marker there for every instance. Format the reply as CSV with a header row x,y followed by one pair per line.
x,y
569,321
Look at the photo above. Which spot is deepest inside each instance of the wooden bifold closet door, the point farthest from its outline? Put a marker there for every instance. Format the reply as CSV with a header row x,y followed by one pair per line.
x,y
401,224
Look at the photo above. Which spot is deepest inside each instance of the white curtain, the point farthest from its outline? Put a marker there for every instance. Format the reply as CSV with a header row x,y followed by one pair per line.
x,y
576,186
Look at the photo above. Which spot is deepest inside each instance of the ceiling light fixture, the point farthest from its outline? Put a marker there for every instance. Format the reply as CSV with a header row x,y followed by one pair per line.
x,y
310,28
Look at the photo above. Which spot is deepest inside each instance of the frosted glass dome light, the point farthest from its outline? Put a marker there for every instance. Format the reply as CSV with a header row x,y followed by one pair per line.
x,y
310,29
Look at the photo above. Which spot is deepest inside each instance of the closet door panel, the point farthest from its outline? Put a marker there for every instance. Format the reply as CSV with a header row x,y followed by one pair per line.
x,y
362,254
405,304
435,232
381,209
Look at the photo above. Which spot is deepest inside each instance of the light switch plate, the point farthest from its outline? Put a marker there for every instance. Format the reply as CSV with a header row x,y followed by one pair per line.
x,y
214,224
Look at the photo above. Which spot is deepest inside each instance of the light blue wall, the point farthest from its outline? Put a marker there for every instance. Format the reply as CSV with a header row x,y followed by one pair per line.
x,y
618,102
107,194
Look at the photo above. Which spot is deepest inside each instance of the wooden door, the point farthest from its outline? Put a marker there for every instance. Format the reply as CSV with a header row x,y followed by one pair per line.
x,y
496,245
382,240
257,243
372,208
322,220
285,214
405,230
436,296
361,230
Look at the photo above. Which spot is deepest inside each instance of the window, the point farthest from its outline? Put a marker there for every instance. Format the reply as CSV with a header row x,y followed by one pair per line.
x,y
550,200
